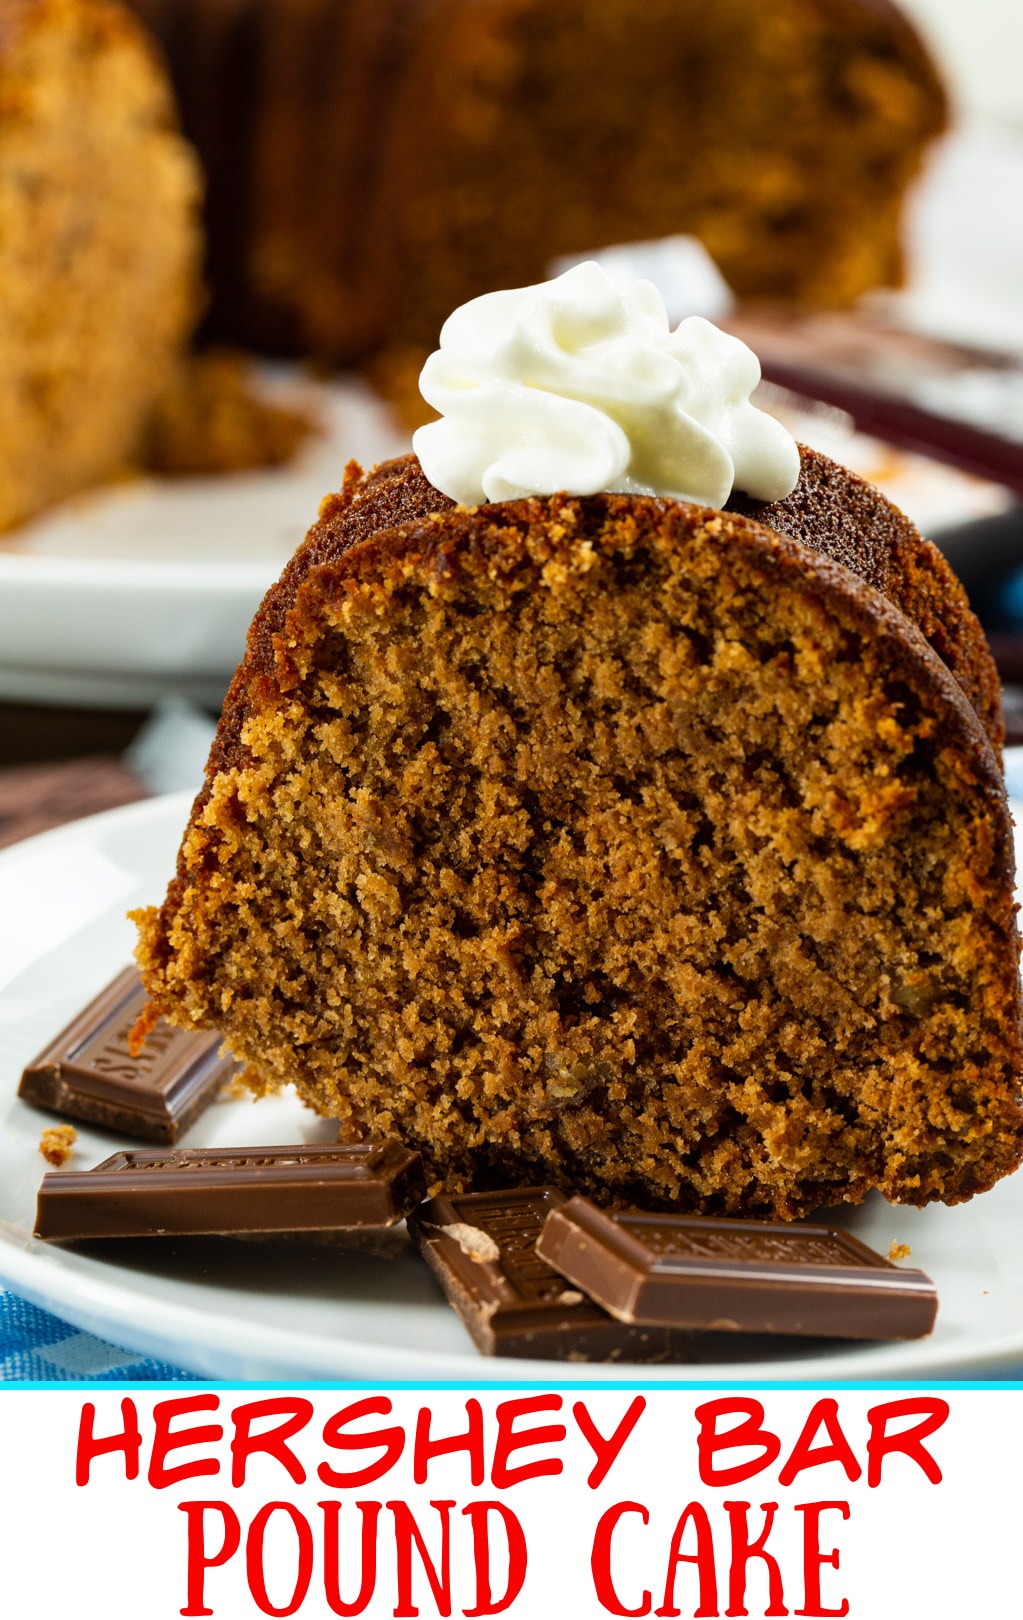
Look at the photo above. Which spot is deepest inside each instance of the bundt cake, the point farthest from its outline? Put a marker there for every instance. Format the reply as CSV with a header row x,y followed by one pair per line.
x,y
374,163
655,850
99,245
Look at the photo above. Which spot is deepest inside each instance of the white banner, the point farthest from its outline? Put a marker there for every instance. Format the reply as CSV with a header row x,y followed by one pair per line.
x,y
146,1503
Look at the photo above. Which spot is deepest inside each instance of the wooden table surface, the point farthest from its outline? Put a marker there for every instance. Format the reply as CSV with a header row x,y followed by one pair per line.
x,y
57,764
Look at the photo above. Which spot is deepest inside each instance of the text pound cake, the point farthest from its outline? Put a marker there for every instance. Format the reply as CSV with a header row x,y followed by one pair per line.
x,y
613,839
99,246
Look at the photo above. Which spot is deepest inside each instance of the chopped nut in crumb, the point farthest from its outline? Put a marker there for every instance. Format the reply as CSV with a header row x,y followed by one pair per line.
x,y
57,1144
899,1251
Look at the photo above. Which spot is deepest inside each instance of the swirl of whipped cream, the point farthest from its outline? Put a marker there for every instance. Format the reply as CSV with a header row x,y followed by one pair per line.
x,y
580,385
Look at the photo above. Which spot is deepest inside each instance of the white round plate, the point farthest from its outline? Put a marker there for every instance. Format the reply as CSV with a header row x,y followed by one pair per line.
x,y
291,1311
118,595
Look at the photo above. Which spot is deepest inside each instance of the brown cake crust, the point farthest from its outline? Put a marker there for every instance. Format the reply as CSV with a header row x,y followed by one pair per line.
x,y
831,510
839,514
610,841
375,163
789,158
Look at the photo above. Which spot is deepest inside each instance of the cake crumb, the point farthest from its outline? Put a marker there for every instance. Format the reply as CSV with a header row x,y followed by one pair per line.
x,y
57,1144
235,1090
474,1242
257,1085
899,1251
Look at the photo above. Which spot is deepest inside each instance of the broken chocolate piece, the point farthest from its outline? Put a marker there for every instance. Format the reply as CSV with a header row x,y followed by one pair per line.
x,y
741,1276
88,1072
482,1247
220,1191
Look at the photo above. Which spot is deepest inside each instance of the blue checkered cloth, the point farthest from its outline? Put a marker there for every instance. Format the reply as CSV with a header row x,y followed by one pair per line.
x,y
37,1346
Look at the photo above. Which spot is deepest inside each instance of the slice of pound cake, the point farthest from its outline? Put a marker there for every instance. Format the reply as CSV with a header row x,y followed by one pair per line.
x,y
614,839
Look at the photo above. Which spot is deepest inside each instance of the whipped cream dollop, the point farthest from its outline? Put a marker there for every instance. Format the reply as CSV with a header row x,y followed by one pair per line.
x,y
581,385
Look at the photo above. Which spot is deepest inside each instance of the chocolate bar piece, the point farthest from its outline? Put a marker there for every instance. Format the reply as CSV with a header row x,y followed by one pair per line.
x,y
740,1276
88,1071
482,1247
264,1190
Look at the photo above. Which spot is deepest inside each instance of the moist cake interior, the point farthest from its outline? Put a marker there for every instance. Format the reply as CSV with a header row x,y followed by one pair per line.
x,y
612,842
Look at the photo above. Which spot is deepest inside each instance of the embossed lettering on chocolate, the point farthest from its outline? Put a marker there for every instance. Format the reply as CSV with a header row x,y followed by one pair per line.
x,y
261,1191
90,1070
615,843
482,1249
685,1271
